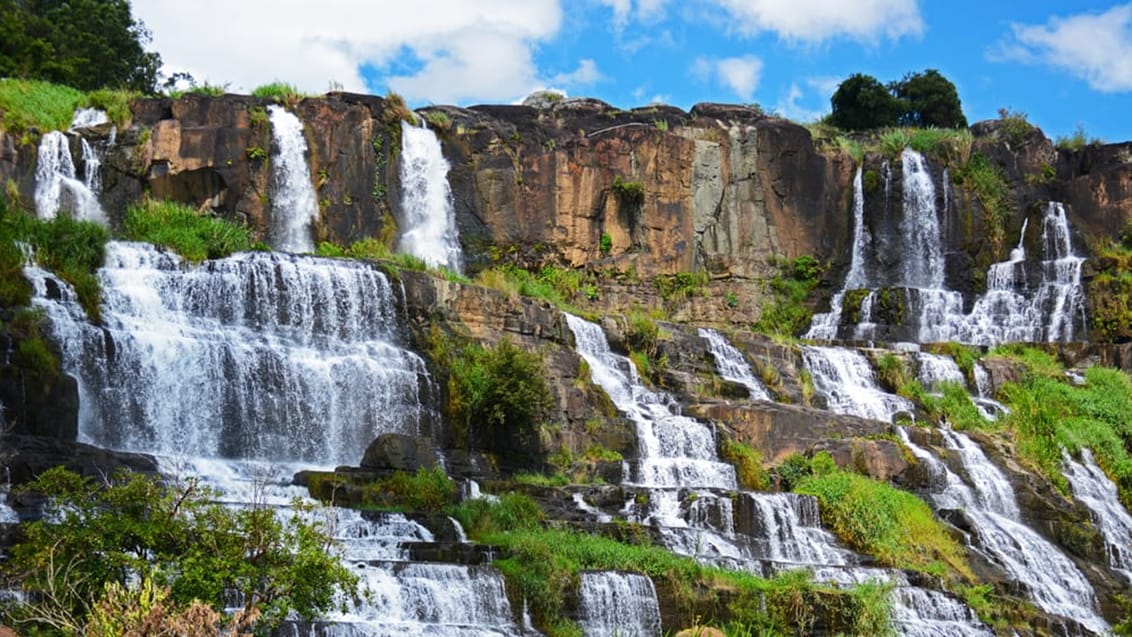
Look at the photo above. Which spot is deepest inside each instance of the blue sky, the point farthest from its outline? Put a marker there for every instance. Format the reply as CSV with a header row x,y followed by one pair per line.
x,y
1064,64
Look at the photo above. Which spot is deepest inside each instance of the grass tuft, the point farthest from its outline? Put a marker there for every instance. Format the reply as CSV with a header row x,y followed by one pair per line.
x,y
191,234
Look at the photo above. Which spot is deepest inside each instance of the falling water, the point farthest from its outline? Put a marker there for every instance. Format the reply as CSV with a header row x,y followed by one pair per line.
x,y
676,451
88,118
430,221
923,253
1050,578
731,364
1093,488
936,369
56,185
788,528
260,355
294,206
847,381
614,603
824,326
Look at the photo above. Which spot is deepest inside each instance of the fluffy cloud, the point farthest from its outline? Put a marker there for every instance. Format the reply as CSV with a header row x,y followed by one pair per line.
x,y
740,74
647,10
1096,47
817,90
459,51
814,21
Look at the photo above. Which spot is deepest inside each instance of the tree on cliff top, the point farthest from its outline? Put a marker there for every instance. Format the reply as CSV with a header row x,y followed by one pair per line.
x,y
861,102
86,44
931,100
922,100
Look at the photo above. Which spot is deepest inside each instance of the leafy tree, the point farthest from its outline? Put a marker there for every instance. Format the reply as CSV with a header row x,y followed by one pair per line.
x,y
183,549
861,102
930,99
86,44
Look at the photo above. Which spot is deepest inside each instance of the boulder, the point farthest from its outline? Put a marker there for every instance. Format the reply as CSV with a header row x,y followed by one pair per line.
x,y
399,452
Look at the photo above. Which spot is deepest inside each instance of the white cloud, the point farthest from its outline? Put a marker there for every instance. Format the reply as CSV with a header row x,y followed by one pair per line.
x,y
740,74
796,103
814,21
468,51
1096,47
647,11
587,73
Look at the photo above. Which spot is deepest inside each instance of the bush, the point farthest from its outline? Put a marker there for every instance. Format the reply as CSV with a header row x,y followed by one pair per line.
x,y
191,234
787,315
280,92
628,193
135,528
427,490
748,465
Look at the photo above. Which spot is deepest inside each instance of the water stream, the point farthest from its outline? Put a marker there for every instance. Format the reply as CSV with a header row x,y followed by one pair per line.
x,y
430,231
294,205
847,381
1093,488
731,364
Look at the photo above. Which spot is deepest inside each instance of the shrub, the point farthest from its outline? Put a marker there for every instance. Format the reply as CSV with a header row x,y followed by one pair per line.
x,y
748,464
280,92
605,244
989,185
427,490
191,234
680,285
438,120
628,193
787,314
1077,141
116,103
1014,125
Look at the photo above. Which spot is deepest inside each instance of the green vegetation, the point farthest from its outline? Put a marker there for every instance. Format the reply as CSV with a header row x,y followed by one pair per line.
x,y
26,104
986,181
748,465
1110,291
628,193
605,244
71,249
279,92
894,526
428,490
1078,140
562,287
439,120
492,392
110,543
543,565
787,315
87,44
191,234
1014,125
920,100
679,286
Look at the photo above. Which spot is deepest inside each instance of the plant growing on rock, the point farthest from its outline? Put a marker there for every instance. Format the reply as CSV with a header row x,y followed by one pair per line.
x,y
193,235
628,193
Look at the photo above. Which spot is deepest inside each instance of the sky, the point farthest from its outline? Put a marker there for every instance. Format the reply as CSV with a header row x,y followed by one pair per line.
x,y
1067,65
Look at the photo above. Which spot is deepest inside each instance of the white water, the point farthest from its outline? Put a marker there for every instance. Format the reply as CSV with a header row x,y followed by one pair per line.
x,y
1096,491
824,326
294,205
260,355
675,451
88,118
615,603
430,231
1026,300
935,369
847,381
731,364
1050,578
788,528
58,188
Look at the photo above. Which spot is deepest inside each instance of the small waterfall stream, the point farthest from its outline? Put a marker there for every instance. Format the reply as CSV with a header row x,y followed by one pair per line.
x,y
847,381
622,604
731,364
824,326
1050,579
1093,488
294,205
430,231
56,185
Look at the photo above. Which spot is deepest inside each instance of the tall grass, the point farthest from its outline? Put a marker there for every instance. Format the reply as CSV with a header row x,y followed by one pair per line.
x,y
191,234
26,104
875,518
280,92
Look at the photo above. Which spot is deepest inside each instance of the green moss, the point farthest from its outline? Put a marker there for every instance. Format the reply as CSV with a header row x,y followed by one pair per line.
x,y
628,193
193,235
748,465
987,183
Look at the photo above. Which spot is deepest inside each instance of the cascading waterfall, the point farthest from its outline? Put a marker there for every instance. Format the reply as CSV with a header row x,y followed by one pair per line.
x,y
1050,578
56,185
731,364
260,355
847,381
614,603
675,451
824,326
430,231
294,205
780,531
1095,490
273,362
935,369
923,253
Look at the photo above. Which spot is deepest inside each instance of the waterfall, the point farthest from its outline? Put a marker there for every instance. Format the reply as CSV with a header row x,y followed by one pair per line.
x,y
1049,577
88,118
1060,296
430,221
788,528
676,451
936,369
56,185
824,326
847,381
294,205
260,355
1093,488
614,603
923,254
731,364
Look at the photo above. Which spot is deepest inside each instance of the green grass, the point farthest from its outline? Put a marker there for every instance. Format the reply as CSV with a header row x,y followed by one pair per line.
x,y
986,181
27,104
562,287
116,103
193,235
281,92
787,314
748,463
895,527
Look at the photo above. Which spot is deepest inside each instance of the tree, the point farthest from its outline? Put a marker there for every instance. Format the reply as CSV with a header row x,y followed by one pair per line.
x,y
177,548
931,100
861,102
86,44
